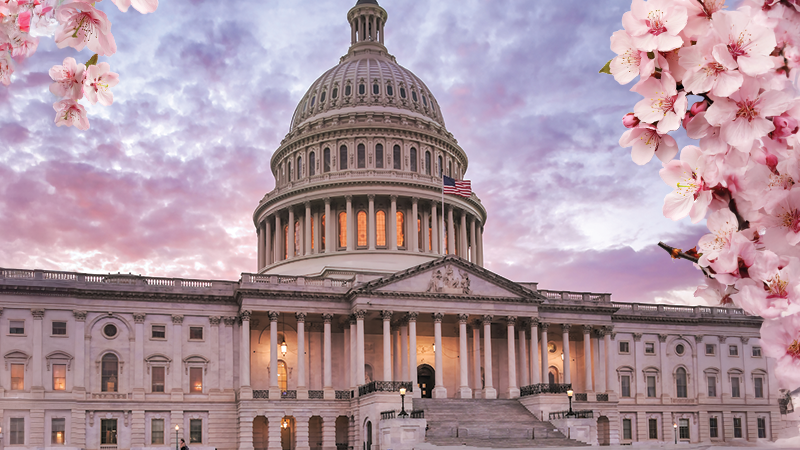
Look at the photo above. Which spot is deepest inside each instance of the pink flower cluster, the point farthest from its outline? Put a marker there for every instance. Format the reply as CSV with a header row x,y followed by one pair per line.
x,y
726,77
74,24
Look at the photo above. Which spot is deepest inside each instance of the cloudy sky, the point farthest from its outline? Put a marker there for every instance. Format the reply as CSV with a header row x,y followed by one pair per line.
x,y
166,180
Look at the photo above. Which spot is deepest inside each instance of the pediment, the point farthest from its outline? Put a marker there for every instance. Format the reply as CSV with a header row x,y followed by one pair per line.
x,y
450,276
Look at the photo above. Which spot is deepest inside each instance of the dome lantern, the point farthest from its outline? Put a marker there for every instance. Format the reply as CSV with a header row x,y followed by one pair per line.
x,y
367,20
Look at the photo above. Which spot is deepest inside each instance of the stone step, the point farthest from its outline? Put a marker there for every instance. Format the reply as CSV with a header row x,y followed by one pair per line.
x,y
506,443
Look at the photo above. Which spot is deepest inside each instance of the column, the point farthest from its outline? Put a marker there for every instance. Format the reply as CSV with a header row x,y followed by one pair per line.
x,y
404,351
268,256
278,238
244,354
488,390
435,230
524,368
360,314
536,369
479,227
177,354
78,385
138,355
451,232
415,222
302,389
216,380
439,391
38,355
513,390
392,219
476,360
274,389
371,222
396,375
464,249
291,239
274,430
329,432
350,235
412,350
327,379
301,430
260,232
307,234
426,244
601,360
609,359
353,351
565,347
473,249
329,245
226,352
545,358
587,356
387,345
463,357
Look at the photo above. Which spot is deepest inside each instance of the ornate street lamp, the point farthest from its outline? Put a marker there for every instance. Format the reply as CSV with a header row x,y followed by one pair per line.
x,y
403,412
569,395
675,427
176,438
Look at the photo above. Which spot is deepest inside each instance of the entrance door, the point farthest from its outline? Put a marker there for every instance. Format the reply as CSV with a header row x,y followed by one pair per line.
x,y
425,380
603,431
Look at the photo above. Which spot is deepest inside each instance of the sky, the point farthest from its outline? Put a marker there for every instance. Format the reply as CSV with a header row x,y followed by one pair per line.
x,y
165,181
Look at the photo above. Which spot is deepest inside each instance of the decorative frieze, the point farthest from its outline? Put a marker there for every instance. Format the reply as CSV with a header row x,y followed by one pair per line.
x,y
37,313
177,319
139,317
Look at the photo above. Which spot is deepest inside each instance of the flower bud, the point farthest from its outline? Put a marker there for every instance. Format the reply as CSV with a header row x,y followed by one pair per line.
x,y
699,107
785,126
630,121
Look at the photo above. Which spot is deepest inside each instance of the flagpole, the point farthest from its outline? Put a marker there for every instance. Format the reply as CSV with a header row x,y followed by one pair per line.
x,y
441,234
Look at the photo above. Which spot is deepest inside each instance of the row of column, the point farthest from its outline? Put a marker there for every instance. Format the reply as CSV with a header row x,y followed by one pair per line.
x,y
272,248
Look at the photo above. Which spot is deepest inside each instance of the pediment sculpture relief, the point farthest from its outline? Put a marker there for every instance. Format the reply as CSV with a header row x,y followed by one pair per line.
x,y
448,282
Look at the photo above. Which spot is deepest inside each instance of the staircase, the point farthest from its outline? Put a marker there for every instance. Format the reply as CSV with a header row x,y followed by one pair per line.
x,y
488,424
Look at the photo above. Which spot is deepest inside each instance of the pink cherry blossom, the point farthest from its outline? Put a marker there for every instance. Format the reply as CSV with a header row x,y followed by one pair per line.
x,y
784,216
68,79
741,256
630,61
699,16
780,339
646,142
83,25
662,103
99,79
743,43
705,73
143,6
691,195
785,126
655,25
743,116
630,121
6,67
24,21
722,224
715,293
69,113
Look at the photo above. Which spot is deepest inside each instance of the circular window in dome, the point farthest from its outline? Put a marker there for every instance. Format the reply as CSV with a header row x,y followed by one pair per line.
x,y
680,349
110,331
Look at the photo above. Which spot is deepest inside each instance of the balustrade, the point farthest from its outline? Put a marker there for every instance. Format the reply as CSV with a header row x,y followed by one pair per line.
x,y
545,388
384,386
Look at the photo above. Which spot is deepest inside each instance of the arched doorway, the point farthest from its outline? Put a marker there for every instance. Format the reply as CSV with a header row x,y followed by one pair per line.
x,y
287,433
603,431
552,375
368,436
425,380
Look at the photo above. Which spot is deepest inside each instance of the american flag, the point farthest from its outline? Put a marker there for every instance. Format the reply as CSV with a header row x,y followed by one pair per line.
x,y
457,187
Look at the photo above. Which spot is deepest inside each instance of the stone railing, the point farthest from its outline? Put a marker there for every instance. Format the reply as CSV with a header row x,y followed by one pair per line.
x,y
544,388
111,278
576,296
575,414
582,397
260,394
110,396
289,394
280,280
677,310
417,414
316,395
344,395
384,386
386,415
601,397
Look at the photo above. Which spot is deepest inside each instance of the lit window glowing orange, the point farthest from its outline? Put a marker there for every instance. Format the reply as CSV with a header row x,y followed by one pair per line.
x,y
312,233
342,229
401,236
296,238
380,222
430,235
285,241
322,227
362,229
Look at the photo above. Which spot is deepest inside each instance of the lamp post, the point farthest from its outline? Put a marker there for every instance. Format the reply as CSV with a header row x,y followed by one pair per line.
x,y
177,447
675,427
569,395
403,412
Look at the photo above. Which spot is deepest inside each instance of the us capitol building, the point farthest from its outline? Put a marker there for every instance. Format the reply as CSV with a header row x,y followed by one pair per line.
x,y
368,286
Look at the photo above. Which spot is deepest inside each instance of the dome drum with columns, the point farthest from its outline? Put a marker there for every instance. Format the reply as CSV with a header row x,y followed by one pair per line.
x,y
359,175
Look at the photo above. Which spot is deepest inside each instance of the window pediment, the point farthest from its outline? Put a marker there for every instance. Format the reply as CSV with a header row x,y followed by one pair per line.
x,y
16,357
195,361
59,357
158,360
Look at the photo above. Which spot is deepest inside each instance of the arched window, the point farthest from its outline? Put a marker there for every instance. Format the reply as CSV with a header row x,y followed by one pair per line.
x,y
397,157
285,241
343,157
389,90
401,235
326,160
414,96
450,169
419,231
552,375
402,92
289,171
440,166
362,156
299,167
322,233
413,157
379,156
427,163
362,89
424,101
109,379
335,93
380,228
282,376
361,229
314,99
312,163
343,229
430,234
680,382
348,90
322,97
376,89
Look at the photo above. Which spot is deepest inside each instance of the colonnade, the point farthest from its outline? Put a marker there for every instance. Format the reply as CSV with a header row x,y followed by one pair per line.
x,y
369,222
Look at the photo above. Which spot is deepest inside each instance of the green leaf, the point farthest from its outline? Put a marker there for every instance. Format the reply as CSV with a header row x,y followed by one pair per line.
x,y
606,68
92,61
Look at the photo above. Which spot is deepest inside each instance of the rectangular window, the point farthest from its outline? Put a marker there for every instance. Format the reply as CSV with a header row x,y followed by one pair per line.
x,y
626,429
17,431
17,377
756,352
59,329
195,431
158,332
651,386
108,431
58,431
649,348
625,387
758,385
711,349
683,429
737,427
196,333
735,387
712,386
157,381
652,426
762,427
16,327
196,379
624,347
157,431
59,377
733,350
712,427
